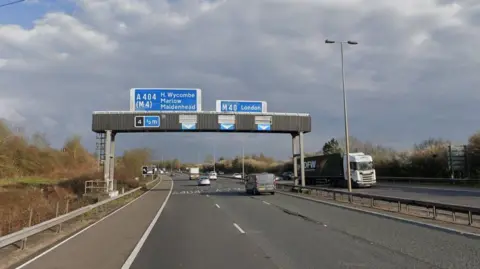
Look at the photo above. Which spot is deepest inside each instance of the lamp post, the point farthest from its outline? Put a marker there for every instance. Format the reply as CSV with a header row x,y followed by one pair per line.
x,y
347,140
12,3
214,158
243,162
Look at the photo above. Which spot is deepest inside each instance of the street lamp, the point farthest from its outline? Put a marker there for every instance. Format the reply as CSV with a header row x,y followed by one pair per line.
x,y
347,140
214,158
243,161
12,3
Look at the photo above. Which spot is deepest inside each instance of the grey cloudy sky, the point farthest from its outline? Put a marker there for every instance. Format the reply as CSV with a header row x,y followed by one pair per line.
x,y
413,75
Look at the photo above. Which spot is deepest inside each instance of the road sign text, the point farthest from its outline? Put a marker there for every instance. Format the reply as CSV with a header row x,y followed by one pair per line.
x,y
241,106
174,100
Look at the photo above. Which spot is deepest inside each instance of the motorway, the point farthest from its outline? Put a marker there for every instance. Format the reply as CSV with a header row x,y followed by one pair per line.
x,y
222,227
443,194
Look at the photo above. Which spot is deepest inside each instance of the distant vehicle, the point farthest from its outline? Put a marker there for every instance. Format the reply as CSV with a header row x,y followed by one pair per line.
x,y
212,175
221,172
194,173
203,181
287,175
237,175
332,169
260,183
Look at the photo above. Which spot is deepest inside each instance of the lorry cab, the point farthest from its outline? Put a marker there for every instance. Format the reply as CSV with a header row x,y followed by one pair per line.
x,y
361,169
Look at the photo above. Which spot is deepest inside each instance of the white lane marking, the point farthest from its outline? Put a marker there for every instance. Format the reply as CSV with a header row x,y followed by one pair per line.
x,y
238,228
265,202
217,205
82,231
142,240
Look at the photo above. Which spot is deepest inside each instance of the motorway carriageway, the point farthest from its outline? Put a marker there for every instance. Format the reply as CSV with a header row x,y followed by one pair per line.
x,y
443,194
220,227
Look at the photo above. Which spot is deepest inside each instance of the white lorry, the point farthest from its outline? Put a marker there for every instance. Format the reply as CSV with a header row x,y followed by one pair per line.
x,y
194,173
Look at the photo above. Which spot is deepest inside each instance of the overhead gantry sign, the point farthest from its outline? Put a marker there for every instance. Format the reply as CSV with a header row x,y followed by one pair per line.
x,y
153,110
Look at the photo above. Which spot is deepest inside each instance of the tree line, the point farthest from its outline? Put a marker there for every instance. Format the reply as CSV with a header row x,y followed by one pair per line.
x,y
23,156
429,158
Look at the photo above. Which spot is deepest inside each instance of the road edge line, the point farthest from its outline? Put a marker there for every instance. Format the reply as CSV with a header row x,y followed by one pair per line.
x,y
36,257
382,215
131,258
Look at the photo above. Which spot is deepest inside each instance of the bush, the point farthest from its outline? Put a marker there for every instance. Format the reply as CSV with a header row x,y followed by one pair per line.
x,y
21,157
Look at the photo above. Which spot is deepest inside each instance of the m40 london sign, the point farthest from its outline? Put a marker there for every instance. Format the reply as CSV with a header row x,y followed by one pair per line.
x,y
241,106
166,99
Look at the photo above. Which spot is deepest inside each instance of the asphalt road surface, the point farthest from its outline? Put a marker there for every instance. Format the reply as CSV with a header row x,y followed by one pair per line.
x,y
443,194
222,227
451,195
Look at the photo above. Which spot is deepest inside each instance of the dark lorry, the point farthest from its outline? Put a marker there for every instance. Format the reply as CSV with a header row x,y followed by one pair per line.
x,y
329,169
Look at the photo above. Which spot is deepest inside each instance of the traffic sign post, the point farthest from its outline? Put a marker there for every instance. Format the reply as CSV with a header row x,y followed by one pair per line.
x,y
153,169
241,106
166,99
457,160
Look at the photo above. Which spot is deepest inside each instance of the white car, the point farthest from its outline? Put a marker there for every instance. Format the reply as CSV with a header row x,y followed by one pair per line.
x,y
237,175
212,176
204,181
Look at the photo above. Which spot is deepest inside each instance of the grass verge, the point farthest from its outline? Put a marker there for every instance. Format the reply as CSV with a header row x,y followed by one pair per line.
x,y
34,181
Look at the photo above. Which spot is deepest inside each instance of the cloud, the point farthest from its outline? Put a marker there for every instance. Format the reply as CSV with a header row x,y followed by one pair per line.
x,y
412,76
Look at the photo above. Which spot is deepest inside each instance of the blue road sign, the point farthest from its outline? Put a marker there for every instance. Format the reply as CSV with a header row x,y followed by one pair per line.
x,y
189,126
151,121
227,126
263,127
241,106
165,99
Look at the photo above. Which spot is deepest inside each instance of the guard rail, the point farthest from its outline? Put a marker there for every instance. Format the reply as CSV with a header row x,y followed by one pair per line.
x,y
22,235
432,208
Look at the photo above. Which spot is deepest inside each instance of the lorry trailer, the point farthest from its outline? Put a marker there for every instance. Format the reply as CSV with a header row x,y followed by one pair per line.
x,y
331,169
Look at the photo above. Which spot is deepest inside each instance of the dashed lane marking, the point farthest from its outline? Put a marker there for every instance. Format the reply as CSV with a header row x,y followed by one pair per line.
x,y
238,228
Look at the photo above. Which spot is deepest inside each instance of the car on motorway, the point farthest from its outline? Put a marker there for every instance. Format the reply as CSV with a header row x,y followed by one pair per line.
x,y
204,181
237,175
260,183
212,175
287,175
